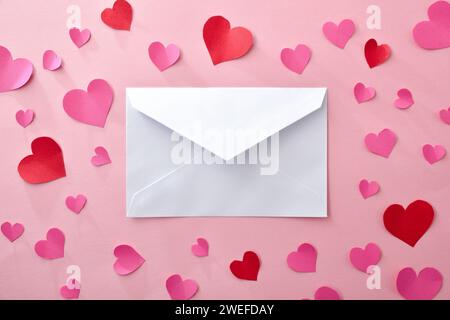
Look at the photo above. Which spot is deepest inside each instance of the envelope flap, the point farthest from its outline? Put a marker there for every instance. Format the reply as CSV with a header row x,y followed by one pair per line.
x,y
226,121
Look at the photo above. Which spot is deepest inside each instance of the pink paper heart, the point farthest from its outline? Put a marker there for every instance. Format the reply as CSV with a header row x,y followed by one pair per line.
x,y
361,259
25,117
445,115
128,260
80,38
404,100
381,144
12,232
163,57
326,293
76,204
72,291
13,73
424,286
179,289
91,107
51,61
433,154
363,93
201,248
339,35
304,259
53,247
435,33
296,60
101,157
368,189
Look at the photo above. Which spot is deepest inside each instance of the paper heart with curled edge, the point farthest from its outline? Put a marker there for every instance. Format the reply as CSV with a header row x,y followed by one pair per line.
x,y
304,259
53,246
376,54
45,164
101,157
128,260
76,204
201,248
25,117
339,34
72,291
368,189
433,154
326,293
435,33
363,93
361,258
404,100
381,144
424,286
51,61
296,59
13,73
163,57
91,106
180,289
79,37
248,268
225,43
444,114
119,17
12,231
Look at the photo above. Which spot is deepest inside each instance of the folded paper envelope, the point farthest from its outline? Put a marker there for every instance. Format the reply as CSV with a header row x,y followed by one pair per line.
x,y
226,152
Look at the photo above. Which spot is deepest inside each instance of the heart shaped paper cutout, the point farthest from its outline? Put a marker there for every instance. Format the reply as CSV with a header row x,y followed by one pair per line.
x,y
326,293
368,189
304,259
51,61
435,33
362,259
25,117
411,224
376,54
79,38
404,100
45,164
248,268
119,17
76,204
101,157
444,114
339,34
225,43
14,74
72,291
180,289
91,107
12,232
53,247
381,144
424,286
201,248
363,93
163,57
433,154
128,260
296,60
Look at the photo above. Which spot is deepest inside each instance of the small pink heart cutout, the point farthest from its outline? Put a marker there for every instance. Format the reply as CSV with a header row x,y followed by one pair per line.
x,y
53,247
435,33
79,38
12,232
201,248
368,189
444,114
433,154
163,57
101,157
24,117
326,293
304,259
180,289
424,286
361,259
381,144
51,61
76,204
128,260
13,73
363,93
339,34
296,60
404,100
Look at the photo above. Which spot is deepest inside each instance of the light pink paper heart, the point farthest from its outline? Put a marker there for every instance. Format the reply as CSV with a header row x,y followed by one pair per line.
x,y
51,61
80,38
363,93
361,259
53,247
326,293
304,259
368,189
424,286
433,154
296,60
13,73
201,248
91,107
381,144
128,260
444,114
339,35
76,204
435,33
25,117
12,232
163,57
404,100
101,157
179,289
72,291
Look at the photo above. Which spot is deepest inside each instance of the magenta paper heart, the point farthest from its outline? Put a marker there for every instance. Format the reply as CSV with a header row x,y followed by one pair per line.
x,y
201,248
304,259
101,157
53,247
339,35
326,293
445,115
425,286
91,107
71,291
296,60
405,99
361,259
128,260
179,289
51,61
368,189
13,73
163,57
80,38
433,154
12,232
76,204
363,93
24,117
435,33
381,144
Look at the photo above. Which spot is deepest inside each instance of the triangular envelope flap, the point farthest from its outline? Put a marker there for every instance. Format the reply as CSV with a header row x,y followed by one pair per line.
x,y
226,121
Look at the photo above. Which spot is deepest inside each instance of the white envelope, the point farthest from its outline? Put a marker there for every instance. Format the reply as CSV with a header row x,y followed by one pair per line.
x,y
226,152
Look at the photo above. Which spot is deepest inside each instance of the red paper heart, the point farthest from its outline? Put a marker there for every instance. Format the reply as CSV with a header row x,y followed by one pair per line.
x,y
248,268
376,54
223,43
45,164
411,224
119,17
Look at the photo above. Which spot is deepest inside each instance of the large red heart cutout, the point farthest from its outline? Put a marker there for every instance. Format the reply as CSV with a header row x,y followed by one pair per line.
x,y
224,43
248,268
119,17
45,164
411,224
376,54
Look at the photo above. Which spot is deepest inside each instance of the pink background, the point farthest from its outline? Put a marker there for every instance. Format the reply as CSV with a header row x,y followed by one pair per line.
x,y
31,27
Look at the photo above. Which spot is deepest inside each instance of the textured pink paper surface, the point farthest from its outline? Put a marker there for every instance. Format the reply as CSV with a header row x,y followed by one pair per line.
x,y
122,59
